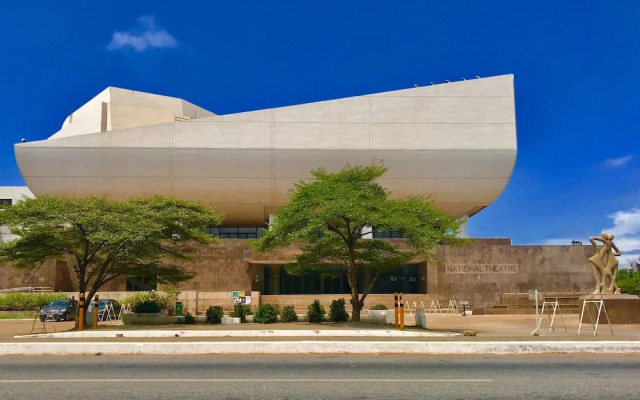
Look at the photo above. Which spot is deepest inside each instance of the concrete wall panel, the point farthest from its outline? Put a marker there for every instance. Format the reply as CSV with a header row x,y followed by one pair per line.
x,y
227,135
447,163
346,111
209,163
156,136
96,162
316,136
128,187
297,164
226,190
472,136
442,110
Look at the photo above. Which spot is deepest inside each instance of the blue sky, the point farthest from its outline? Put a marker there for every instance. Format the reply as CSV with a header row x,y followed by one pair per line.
x,y
576,67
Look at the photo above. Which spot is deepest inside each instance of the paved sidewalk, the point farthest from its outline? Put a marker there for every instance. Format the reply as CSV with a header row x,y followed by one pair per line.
x,y
495,334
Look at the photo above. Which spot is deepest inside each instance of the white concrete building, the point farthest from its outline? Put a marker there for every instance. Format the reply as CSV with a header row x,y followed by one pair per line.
x,y
455,142
11,195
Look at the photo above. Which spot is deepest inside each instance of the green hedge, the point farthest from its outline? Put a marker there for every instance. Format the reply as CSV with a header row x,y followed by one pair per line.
x,y
146,307
28,301
144,297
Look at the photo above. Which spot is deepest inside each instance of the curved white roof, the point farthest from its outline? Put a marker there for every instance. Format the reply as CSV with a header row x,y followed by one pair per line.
x,y
454,141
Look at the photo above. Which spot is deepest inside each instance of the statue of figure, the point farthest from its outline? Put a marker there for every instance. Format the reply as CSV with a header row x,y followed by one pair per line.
x,y
604,264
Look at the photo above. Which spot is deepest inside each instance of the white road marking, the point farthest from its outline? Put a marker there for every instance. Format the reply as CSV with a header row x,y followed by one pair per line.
x,y
99,380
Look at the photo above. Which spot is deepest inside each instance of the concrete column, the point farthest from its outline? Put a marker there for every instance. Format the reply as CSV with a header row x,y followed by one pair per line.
x,y
368,235
464,232
271,219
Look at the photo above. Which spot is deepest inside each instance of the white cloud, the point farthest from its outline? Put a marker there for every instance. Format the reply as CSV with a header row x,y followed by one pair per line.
x,y
626,230
626,222
618,162
145,36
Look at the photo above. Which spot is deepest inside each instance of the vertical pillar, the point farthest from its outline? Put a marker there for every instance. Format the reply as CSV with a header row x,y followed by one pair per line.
x,y
367,232
401,312
96,304
464,232
81,312
271,219
395,310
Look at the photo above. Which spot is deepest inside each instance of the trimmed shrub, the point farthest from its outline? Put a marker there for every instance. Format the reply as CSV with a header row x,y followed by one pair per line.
x,y
28,301
241,311
146,307
266,314
379,306
162,301
289,314
337,313
190,319
214,315
315,312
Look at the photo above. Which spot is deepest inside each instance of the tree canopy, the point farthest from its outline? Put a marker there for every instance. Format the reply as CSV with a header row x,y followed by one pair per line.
x,y
628,281
333,212
107,239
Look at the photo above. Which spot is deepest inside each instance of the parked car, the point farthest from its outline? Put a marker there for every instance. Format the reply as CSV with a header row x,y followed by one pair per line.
x,y
60,310
102,306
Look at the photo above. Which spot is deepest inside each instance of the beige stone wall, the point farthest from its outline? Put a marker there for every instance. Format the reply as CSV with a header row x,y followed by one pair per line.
x,y
53,274
219,267
551,269
232,265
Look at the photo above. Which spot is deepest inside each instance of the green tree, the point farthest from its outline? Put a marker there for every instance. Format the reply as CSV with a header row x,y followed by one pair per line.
x,y
107,239
628,281
331,214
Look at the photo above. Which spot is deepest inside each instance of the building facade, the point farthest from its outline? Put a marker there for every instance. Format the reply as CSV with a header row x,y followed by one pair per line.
x,y
455,142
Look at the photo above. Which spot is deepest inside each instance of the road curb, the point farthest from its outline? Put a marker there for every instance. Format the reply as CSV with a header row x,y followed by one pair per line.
x,y
166,333
316,347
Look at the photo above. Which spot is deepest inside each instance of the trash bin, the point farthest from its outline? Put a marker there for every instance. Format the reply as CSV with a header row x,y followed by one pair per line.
x,y
179,308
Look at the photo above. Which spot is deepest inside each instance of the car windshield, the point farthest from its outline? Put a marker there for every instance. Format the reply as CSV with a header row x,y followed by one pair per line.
x,y
59,303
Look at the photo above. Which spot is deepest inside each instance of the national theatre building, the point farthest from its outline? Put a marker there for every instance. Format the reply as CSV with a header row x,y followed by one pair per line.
x,y
455,142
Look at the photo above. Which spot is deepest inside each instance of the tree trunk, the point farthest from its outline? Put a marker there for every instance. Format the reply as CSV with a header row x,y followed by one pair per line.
x,y
357,305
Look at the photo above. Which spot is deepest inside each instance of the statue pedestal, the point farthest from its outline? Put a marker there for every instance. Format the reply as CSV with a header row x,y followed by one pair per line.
x,y
621,308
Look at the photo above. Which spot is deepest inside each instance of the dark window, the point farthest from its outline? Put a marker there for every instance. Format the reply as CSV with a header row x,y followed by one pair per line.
x,y
404,279
234,232
5,202
377,234
140,283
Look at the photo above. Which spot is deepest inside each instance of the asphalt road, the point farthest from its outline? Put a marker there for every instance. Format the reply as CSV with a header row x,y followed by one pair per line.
x,y
320,377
